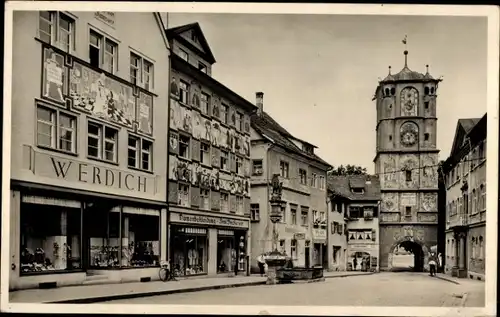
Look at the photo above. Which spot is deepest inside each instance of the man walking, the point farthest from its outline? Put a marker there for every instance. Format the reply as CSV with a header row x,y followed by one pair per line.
x,y
261,262
432,264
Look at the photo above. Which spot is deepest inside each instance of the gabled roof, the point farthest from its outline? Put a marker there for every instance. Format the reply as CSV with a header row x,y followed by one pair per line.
x,y
265,125
177,33
464,126
342,185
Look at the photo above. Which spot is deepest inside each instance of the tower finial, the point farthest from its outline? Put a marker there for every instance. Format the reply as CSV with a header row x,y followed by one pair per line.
x,y
427,68
406,58
389,69
405,42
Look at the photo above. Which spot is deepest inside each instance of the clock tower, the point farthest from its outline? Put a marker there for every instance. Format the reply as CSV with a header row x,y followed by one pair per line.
x,y
406,160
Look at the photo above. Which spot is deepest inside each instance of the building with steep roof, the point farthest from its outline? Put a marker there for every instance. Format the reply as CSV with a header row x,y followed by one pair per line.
x,y
353,205
407,160
303,229
209,162
465,173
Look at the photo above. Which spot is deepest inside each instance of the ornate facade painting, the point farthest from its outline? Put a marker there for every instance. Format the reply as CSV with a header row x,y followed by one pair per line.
x,y
215,133
183,171
175,114
246,146
409,101
408,199
390,202
390,176
247,124
54,85
225,181
223,137
429,171
102,96
409,163
216,107
230,140
246,168
186,121
173,143
215,179
172,167
174,87
196,99
198,127
409,134
145,117
429,202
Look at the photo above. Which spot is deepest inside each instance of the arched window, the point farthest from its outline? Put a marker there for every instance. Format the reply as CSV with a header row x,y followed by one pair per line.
x,y
426,90
387,91
474,202
432,90
393,91
409,101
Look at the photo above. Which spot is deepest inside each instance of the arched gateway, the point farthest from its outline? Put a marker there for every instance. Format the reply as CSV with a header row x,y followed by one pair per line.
x,y
407,254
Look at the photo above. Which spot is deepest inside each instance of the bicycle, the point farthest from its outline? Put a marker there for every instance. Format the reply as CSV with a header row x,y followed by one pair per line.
x,y
165,273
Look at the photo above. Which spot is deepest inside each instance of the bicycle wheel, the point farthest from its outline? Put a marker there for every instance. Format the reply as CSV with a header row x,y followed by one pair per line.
x,y
163,274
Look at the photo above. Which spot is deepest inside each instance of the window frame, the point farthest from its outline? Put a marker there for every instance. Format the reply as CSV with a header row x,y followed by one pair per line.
x,y
302,176
103,40
239,121
207,152
183,54
304,216
204,105
239,165
55,30
56,127
102,140
224,197
184,195
284,169
183,93
139,152
255,169
224,113
314,178
255,212
140,71
224,157
205,193
188,146
293,214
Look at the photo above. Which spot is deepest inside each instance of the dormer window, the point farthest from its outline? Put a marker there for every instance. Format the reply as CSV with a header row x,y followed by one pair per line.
x,y
358,190
184,55
202,67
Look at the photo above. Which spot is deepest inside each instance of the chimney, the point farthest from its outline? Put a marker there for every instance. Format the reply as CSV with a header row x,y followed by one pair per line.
x,y
259,102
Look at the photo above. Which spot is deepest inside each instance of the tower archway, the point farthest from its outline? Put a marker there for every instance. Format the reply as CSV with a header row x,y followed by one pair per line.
x,y
408,255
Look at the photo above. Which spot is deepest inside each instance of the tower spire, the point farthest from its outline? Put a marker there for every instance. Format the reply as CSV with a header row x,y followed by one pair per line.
x,y
405,42
389,69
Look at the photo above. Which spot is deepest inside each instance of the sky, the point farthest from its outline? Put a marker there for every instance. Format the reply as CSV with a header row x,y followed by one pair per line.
x,y
319,72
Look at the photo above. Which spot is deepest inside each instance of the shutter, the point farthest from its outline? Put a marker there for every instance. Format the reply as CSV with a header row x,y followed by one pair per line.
x,y
195,98
195,150
173,144
195,196
172,192
233,162
373,235
246,210
232,116
247,124
332,227
216,157
174,87
232,203
215,200
215,108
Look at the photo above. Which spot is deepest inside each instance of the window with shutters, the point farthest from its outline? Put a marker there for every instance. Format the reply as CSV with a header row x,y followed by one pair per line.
x,y
224,160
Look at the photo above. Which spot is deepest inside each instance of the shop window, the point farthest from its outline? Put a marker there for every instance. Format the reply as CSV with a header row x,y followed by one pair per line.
x,y
139,153
56,129
205,101
205,153
303,176
50,238
240,209
205,199
284,167
58,29
141,72
103,228
184,91
226,251
140,239
184,146
183,193
224,158
224,202
224,110
189,250
305,216
103,52
257,167
102,142
293,214
239,165
255,212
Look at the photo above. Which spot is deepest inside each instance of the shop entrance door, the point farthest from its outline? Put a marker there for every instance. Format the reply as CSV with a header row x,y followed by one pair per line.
x,y
308,257
325,256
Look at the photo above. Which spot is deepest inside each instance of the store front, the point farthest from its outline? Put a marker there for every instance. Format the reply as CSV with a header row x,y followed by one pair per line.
x,y
320,255
68,241
362,257
202,244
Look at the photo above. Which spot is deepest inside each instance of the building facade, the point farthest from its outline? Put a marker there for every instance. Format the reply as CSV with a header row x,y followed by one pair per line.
x,y
337,232
303,228
209,162
357,199
88,176
407,160
465,172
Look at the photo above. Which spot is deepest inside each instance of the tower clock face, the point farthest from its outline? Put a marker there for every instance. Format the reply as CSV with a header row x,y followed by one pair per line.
x,y
409,134
409,101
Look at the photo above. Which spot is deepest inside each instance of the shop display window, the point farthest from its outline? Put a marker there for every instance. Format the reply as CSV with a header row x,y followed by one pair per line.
x,y
50,238
226,251
140,239
103,232
189,250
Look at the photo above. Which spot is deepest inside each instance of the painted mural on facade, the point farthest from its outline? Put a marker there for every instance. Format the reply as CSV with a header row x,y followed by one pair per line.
x,y
409,233
175,114
390,180
409,162
390,202
429,177
102,96
429,202
145,116
197,124
54,85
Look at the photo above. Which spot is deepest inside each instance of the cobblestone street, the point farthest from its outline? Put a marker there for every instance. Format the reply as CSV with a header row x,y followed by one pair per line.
x,y
383,289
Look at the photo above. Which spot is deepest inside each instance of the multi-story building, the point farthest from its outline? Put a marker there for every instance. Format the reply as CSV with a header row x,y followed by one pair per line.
x,y
303,228
407,159
356,198
337,232
88,175
209,162
465,172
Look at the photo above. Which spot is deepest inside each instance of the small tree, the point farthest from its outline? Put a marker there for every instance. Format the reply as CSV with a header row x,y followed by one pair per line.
x,y
348,170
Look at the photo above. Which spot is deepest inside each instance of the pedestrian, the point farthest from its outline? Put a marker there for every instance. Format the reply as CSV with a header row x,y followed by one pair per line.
x,y
355,264
261,262
432,264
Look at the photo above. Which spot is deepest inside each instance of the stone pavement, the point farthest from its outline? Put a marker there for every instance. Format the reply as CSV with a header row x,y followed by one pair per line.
x,y
100,293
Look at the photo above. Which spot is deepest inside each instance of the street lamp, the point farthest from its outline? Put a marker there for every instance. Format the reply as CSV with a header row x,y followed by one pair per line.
x,y
275,259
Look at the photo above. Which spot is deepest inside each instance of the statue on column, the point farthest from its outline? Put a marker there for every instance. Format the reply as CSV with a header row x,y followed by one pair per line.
x,y
277,187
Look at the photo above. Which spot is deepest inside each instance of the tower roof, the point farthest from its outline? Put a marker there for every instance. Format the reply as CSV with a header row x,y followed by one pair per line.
x,y
406,74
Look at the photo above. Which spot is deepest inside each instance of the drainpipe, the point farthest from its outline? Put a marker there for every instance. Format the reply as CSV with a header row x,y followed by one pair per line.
x,y
268,205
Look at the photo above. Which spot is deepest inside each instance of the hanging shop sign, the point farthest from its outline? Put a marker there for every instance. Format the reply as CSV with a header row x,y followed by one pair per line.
x,y
319,234
207,220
